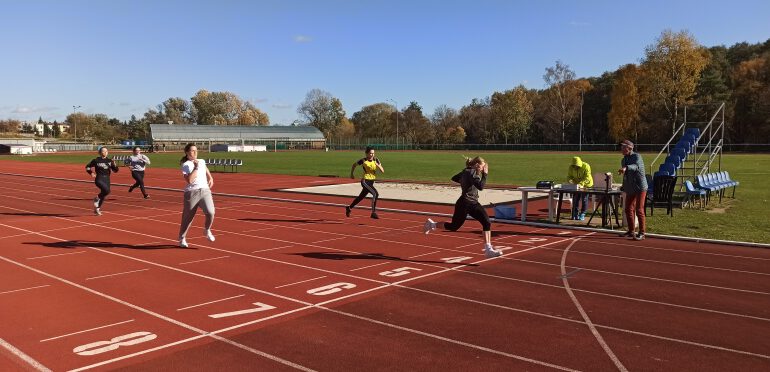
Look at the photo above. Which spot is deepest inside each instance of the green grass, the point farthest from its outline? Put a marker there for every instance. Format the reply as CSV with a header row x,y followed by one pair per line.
x,y
743,218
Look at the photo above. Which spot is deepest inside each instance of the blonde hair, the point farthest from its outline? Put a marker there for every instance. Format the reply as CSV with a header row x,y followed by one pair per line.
x,y
470,162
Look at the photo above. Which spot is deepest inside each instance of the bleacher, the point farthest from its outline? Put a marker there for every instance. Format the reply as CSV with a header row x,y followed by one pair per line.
x,y
675,166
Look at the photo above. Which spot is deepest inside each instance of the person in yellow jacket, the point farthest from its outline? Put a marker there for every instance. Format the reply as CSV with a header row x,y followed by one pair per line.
x,y
579,173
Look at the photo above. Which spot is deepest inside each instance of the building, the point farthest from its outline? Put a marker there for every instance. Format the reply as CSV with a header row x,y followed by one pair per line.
x,y
175,136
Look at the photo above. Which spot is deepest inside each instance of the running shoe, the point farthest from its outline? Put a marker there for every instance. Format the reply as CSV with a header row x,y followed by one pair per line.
x,y
147,196
628,235
131,189
375,216
210,236
491,252
183,243
347,211
429,226
582,216
97,211
96,202
639,236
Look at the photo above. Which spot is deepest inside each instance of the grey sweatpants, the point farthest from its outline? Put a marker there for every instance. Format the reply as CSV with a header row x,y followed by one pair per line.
x,y
192,200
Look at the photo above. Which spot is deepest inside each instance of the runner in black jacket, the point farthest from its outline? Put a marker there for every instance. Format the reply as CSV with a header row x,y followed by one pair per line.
x,y
99,168
472,179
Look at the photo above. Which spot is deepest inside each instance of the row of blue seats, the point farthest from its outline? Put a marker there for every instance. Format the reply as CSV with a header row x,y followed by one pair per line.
x,y
716,182
678,154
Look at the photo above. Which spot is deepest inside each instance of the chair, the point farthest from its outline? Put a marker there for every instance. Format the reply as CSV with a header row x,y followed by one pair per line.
x,y
692,191
662,195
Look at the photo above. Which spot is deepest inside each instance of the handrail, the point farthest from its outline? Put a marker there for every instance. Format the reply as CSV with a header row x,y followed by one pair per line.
x,y
666,146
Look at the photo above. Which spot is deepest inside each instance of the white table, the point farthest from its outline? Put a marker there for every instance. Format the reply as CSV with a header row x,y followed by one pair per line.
x,y
524,198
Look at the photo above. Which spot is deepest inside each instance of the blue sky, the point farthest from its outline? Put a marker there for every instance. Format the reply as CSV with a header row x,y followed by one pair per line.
x,y
122,57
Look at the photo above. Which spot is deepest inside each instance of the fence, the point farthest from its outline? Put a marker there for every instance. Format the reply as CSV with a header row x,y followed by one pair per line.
x,y
570,147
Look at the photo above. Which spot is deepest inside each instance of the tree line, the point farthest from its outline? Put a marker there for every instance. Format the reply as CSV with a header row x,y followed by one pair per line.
x,y
642,101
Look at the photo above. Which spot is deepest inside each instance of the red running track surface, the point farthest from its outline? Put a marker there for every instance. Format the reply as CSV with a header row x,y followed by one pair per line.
x,y
290,285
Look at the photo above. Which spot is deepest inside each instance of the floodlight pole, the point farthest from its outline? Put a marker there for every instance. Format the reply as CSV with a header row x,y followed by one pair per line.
x,y
74,124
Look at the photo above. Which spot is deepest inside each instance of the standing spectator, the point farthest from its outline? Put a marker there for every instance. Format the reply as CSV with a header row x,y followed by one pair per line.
x,y
635,187
579,173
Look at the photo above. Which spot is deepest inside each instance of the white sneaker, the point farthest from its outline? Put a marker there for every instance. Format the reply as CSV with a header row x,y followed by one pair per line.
x,y
491,252
429,226
183,243
97,211
96,202
210,236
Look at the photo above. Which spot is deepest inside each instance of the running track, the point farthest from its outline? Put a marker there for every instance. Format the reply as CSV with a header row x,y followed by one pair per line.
x,y
290,286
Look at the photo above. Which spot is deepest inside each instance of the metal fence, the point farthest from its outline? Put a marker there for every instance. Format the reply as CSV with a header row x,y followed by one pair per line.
x,y
555,147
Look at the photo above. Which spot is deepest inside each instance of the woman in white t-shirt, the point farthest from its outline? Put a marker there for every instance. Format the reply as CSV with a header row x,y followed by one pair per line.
x,y
197,193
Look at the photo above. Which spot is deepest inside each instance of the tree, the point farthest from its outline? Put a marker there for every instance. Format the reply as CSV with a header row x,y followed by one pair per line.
x,y
446,122
323,111
176,109
672,67
374,121
9,126
416,127
225,108
56,130
476,121
512,113
624,112
752,100
563,96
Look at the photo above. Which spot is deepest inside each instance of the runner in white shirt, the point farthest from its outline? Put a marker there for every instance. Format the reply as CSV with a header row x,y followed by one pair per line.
x,y
197,193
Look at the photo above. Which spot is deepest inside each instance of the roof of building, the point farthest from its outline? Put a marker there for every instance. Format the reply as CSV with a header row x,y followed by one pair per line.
x,y
181,133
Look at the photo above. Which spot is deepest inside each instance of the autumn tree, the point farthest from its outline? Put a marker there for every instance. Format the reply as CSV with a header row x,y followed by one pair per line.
x,y
512,113
752,99
225,108
374,120
672,67
415,127
476,120
446,125
624,110
323,111
563,96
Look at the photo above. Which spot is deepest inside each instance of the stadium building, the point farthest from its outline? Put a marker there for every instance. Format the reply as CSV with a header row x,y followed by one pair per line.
x,y
175,137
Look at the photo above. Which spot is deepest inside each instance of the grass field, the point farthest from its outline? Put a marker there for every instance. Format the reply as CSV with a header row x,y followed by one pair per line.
x,y
743,218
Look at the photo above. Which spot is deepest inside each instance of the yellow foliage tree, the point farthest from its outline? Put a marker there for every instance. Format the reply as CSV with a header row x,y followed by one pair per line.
x,y
624,103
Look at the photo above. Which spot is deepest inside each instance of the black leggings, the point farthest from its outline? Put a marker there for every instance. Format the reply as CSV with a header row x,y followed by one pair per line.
x,y
103,183
464,208
139,177
367,188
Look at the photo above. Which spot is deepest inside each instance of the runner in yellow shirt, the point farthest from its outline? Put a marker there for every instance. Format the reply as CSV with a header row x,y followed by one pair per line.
x,y
370,164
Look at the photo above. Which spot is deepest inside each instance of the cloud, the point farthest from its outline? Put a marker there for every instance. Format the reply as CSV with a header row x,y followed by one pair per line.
x,y
579,24
33,109
302,39
280,106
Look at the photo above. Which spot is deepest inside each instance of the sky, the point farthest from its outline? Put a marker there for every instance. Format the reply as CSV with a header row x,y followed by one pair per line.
x,y
123,57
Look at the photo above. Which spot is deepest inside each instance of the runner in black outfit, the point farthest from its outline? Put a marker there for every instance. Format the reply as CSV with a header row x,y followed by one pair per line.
x,y
100,168
472,179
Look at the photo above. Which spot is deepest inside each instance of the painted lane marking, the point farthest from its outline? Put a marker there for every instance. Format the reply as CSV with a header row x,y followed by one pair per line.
x,y
108,275
207,303
55,255
302,281
203,260
87,330
25,289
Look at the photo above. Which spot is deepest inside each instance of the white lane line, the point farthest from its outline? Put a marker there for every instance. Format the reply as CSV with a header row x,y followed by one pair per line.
x,y
272,249
208,303
55,255
303,281
205,259
155,314
328,240
25,289
87,330
424,254
449,340
108,275
26,358
368,266
586,318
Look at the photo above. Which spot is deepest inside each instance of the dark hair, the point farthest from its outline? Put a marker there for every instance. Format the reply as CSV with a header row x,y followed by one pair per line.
x,y
100,149
137,148
186,149
368,148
